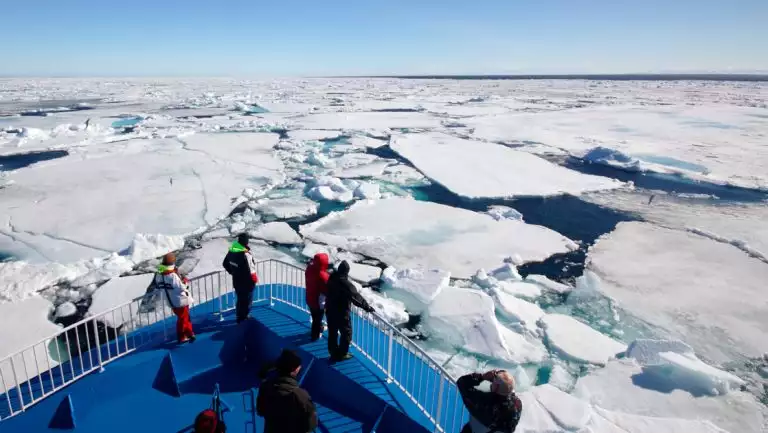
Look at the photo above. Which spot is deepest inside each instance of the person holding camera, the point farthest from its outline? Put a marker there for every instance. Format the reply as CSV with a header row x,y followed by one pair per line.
x,y
497,411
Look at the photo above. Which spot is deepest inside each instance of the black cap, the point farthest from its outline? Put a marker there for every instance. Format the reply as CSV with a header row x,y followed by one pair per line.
x,y
242,239
343,269
288,362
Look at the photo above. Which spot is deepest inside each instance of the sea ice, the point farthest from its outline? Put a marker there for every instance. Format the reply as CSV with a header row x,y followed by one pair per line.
x,y
518,310
66,309
363,273
706,293
578,342
20,280
102,269
476,169
361,121
313,134
285,208
209,257
416,288
696,375
149,186
622,386
364,170
646,351
406,233
116,292
391,310
739,224
523,349
504,212
22,324
547,284
150,246
705,141
279,232
367,191
465,319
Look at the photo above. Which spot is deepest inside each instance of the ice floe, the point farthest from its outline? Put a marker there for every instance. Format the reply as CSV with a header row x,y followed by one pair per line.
x,y
416,288
407,233
279,232
285,208
22,324
578,342
476,169
116,292
703,292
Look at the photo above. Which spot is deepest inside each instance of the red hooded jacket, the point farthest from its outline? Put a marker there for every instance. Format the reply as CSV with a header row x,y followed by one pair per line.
x,y
317,279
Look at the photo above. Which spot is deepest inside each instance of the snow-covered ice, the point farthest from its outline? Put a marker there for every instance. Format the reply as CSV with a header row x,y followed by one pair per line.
x,y
151,186
21,279
362,121
312,134
706,293
65,310
714,142
623,386
407,233
367,191
578,342
416,288
504,212
279,232
686,368
22,324
476,169
363,273
465,319
149,246
739,224
285,208
646,351
547,284
209,257
116,292
523,312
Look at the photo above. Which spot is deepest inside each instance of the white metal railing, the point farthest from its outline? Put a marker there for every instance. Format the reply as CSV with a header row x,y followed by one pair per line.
x,y
45,367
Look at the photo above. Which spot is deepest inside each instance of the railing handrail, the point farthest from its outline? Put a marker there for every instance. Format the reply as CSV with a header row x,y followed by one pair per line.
x,y
374,319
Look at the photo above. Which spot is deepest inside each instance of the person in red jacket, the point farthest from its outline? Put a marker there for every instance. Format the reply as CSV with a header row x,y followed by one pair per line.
x,y
317,289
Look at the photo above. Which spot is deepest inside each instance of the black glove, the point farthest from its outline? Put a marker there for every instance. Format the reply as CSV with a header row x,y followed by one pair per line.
x,y
369,308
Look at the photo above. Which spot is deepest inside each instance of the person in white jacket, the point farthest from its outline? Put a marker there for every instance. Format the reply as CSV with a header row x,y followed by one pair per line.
x,y
174,289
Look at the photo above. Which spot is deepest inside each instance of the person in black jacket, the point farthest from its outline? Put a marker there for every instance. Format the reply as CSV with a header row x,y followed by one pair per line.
x,y
490,412
285,406
240,264
338,305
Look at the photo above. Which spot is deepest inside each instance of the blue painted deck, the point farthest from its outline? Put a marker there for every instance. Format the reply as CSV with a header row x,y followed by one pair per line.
x,y
162,387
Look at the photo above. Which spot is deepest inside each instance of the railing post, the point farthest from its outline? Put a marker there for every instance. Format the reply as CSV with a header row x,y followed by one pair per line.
x,y
271,284
18,384
439,404
221,301
98,346
389,355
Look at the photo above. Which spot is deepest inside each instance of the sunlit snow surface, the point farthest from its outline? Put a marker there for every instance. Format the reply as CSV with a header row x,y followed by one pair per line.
x,y
100,177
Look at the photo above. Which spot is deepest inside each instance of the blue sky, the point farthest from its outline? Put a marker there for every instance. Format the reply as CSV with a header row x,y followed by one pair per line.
x,y
316,37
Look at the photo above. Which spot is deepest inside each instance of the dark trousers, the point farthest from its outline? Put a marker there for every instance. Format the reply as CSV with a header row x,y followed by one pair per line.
x,y
467,428
339,347
243,304
317,322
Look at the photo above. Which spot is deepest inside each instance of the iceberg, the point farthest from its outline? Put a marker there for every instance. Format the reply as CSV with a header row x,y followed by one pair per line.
x,y
700,291
476,169
406,233
416,288
279,232
578,342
